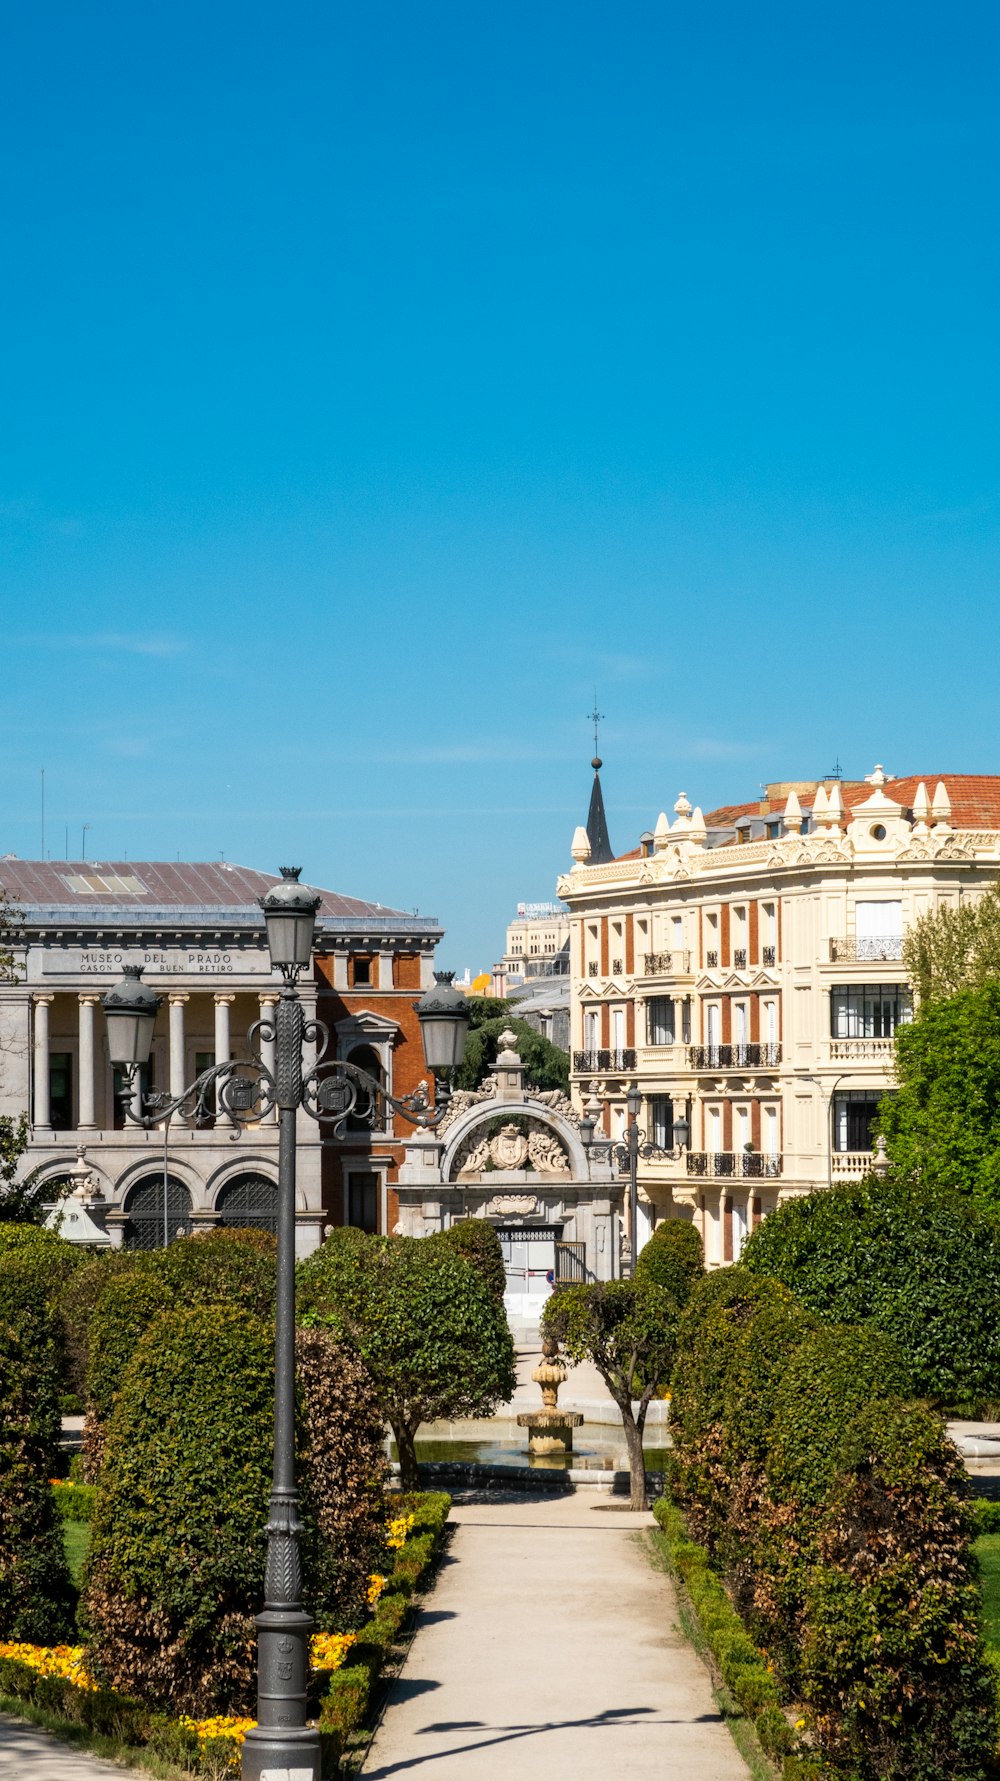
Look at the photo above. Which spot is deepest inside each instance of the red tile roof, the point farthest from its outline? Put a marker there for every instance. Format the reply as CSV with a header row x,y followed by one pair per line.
x,y
168,885
975,800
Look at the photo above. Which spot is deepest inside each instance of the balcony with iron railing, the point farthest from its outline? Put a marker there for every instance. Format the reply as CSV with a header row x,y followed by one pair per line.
x,y
667,964
863,949
742,1165
734,1057
589,1062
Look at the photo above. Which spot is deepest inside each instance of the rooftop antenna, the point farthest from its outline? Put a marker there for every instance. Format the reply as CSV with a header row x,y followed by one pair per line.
x,y
596,718
43,812
837,771
83,840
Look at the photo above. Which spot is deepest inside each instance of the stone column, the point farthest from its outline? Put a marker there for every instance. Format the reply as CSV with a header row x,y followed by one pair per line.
x,y
742,1202
176,1022
268,1004
223,1048
42,1114
86,1118
385,970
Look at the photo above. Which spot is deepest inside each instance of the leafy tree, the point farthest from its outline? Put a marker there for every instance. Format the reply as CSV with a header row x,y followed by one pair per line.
x,y
544,1063
945,1118
919,1264
628,1328
478,1242
22,1202
425,1321
673,1258
954,948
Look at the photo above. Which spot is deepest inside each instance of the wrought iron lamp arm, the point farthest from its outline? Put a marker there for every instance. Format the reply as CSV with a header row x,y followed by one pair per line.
x,y
645,1148
245,1092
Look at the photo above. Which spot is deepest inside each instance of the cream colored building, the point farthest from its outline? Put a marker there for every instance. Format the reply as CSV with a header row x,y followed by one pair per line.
x,y
745,970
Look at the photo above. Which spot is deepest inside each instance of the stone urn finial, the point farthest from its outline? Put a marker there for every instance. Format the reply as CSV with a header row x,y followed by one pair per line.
x,y
550,1372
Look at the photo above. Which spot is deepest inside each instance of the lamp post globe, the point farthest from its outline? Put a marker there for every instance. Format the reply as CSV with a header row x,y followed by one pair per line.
x,y
682,1133
633,1102
444,1017
290,918
130,1012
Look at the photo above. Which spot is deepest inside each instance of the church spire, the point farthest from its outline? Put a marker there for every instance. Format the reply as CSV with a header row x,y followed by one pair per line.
x,y
601,850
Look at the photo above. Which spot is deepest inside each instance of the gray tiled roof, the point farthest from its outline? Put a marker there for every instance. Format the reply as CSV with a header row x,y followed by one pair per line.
x,y
102,889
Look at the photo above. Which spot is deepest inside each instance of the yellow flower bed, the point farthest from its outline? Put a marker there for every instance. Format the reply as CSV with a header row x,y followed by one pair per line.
x,y
327,1651
51,1660
376,1584
222,1725
399,1530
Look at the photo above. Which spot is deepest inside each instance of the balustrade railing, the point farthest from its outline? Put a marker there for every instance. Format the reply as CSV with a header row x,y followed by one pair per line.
x,y
872,1051
743,1165
604,1060
862,948
666,964
734,1057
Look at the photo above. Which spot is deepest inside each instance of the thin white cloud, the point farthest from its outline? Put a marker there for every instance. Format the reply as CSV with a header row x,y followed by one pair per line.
x,y
117,642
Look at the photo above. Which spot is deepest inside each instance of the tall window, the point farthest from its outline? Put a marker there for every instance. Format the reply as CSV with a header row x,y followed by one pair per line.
x,y
854,1117
661,1121
362,1199
591,1030
878,929
61,1090
366,1117
713,1023
618,1029
741,1023
660,1020
869,1010
686,1021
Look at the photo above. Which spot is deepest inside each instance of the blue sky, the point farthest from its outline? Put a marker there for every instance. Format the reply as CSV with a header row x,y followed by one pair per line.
x,y
378,380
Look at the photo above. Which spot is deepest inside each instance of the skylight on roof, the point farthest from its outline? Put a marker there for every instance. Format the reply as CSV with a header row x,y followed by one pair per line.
x,y
103,884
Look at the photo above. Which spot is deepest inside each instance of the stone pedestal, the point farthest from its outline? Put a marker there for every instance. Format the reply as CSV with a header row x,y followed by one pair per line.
x,y
550,1431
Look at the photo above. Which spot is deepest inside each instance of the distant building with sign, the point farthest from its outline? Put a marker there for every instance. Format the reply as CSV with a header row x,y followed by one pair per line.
x,y
198,933
537,946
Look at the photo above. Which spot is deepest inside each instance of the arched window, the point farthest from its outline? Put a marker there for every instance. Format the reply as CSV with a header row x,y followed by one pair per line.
x,y
155,1218
250,1201
366,1058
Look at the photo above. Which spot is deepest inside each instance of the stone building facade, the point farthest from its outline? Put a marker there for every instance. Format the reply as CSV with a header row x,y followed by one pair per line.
x,y
198,933
744,969
514,1155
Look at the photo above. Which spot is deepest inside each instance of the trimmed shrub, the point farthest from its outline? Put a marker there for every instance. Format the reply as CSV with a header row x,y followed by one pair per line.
x,y
673,1258
220,1267
78,1300
892,1658
834,1510
920,1264
478,1242
344,1469
424,1321
177,1559
36,1595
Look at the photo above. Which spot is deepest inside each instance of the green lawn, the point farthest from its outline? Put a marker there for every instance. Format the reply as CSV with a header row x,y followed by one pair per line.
x,y
76,1537
988,1553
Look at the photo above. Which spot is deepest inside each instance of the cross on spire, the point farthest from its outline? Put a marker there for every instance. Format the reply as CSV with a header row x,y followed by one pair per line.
x,y
596,717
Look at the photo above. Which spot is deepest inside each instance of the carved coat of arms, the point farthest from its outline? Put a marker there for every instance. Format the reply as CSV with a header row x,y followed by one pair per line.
x,y
509,1149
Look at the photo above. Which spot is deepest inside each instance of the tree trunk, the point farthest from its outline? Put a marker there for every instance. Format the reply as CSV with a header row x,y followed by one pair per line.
x,y
406,1443
636,1461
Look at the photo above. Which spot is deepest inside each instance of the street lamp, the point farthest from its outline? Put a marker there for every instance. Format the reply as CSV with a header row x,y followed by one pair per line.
x,y
281,1743
635,1146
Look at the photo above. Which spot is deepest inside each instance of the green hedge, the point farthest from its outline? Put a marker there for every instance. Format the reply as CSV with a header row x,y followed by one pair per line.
x,y
835,1510
741,1665
74,1502
176,1565
920,1264
36,1595
344,1706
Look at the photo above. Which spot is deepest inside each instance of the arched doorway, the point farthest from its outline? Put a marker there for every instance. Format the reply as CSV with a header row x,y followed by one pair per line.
x,y
154,1217
250,1201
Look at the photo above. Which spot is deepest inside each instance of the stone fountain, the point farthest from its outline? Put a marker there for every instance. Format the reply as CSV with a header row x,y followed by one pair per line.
x,y
550,1430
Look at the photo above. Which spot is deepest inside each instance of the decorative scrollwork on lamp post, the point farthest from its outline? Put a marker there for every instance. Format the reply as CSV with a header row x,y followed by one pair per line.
x,y
243,1091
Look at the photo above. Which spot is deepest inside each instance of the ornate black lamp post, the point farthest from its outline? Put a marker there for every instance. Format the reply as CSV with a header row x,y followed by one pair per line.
x,y
627,1157
282,1745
